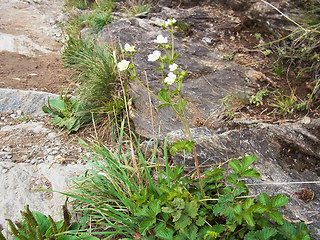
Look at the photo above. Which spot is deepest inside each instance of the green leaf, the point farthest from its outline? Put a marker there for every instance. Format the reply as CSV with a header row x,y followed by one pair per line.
x,y
263,198
181,145
279,201
275,215
200,221
235,165
162,105
248,203
43,222
176,215
146,224
155,207
251,173
57,104
192,208
66,237
165,234
164,96
264,234
86,237
167,209
248,217
237,209
179,203
247,161
232,178
259,208
183,222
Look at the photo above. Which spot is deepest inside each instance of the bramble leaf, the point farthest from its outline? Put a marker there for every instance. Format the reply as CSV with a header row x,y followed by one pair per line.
x,y
146,224
249,218
247,161
191,209
276,216
250,173
235,165
279,201
248,203
263,198
183,222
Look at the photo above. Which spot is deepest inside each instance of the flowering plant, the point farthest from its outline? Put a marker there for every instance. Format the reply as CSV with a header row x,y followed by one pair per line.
x,y
172,78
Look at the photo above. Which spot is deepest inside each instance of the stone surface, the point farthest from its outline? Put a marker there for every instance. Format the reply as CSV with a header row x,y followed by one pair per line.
x,y
210,77
18,188
28,102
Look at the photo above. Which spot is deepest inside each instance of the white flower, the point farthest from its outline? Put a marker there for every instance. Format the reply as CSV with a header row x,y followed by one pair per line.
x,y
154,56
123,65
129,48
161,39
170,22
171,78
173,67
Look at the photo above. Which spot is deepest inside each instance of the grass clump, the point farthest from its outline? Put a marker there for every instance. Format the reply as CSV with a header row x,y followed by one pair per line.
x,y
152,201
94,15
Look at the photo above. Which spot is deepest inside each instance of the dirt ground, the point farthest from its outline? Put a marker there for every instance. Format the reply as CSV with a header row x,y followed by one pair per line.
x,y
30,44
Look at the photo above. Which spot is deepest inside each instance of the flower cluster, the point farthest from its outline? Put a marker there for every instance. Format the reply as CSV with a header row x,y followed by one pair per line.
x,y
162,42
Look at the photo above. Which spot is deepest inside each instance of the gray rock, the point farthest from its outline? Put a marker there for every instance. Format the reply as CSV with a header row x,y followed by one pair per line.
x,y
18,183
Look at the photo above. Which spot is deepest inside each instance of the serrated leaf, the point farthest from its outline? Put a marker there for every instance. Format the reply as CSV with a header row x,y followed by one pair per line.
x,y
251,173
146,224
191,208
232,178
264,234
259,208
247,161
181,145
167,209
275,215
263,198
200,221
164,233
176,215
179,203
248,203
235,165
279,201
247,216
155,207
237,209
190,232
183,222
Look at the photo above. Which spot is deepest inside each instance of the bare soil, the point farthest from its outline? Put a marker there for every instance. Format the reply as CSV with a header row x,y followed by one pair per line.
x,y
30,42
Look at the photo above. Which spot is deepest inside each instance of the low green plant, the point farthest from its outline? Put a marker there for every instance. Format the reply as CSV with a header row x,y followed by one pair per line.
x,y
228,57
97,14
38,226
183,27
136,7
153,201
258,97
233,102
65,111
287,105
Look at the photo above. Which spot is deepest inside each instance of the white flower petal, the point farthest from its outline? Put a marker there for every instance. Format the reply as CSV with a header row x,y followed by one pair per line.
x,y
154,56
129,48
123,65
173,67
161,39
170,78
